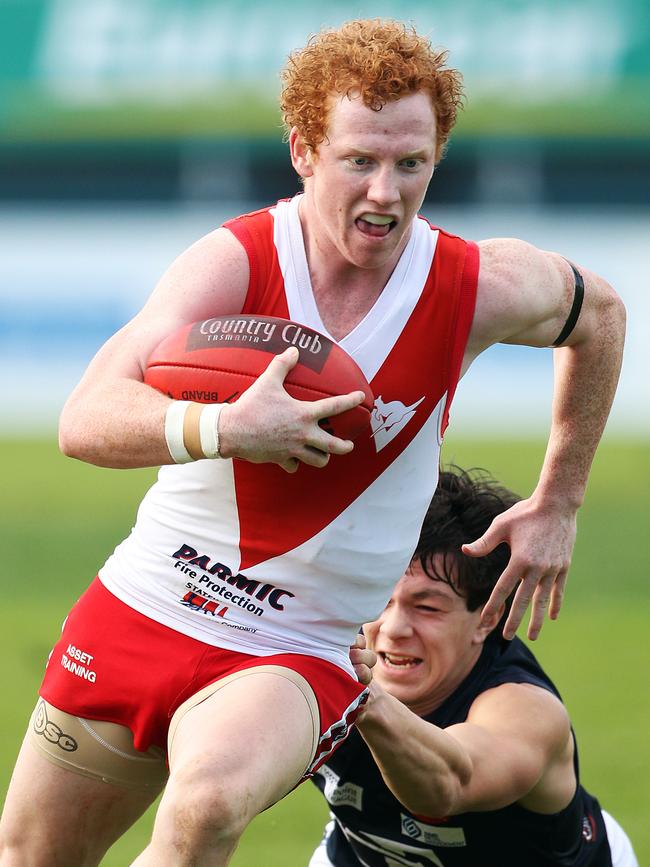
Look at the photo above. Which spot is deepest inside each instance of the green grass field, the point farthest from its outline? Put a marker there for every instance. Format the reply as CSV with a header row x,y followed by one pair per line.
x,y
59,520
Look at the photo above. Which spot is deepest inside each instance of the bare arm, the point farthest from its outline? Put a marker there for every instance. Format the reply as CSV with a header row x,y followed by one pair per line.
x,y
113,419
525,296
515,746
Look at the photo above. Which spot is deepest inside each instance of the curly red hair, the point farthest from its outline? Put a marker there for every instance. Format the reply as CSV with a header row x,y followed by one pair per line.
x,y
380,60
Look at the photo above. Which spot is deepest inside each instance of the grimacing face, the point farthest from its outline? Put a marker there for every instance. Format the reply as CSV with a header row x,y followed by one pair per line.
x,y
367,180
426,641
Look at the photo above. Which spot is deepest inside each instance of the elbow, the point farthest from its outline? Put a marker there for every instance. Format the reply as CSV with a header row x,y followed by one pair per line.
x,y
73,441
435,804
618,301
69,443
621,312
613,312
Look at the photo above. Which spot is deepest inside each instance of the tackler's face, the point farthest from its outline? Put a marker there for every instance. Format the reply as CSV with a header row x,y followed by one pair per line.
x,y
367,180
426,641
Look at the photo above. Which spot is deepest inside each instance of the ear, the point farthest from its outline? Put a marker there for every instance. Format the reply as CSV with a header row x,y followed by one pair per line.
x,y
486,626
301,155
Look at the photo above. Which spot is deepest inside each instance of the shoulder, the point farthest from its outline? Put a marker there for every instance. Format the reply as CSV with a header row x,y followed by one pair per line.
x,y
208,278
504,260
522,707
219,254
515,677
523,295
261,218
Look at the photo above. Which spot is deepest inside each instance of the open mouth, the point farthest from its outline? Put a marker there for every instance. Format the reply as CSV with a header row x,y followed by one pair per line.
x,y
375,225
398,662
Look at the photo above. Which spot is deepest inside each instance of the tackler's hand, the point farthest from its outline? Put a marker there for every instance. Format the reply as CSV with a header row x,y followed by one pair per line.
x,y
363,659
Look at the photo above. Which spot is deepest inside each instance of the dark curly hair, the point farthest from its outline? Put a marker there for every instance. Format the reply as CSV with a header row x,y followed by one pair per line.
x,y
463,507
379,59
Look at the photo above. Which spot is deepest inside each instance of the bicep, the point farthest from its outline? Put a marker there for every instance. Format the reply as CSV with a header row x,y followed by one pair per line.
x,y
210,278
524,295
512,735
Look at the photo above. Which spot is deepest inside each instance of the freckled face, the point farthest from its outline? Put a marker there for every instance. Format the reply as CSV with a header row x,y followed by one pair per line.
x,y
426,641
367,181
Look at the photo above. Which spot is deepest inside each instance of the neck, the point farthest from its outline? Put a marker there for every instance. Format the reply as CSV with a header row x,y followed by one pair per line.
x,y
344,292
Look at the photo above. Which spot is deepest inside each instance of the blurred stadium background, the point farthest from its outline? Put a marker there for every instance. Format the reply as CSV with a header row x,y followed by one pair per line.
x,y
128,128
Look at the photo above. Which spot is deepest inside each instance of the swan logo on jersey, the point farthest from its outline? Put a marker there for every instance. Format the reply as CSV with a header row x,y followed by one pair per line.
x,y
388,419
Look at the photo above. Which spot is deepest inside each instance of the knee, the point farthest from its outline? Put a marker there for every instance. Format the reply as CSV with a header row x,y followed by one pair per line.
x,y
20,848
197,814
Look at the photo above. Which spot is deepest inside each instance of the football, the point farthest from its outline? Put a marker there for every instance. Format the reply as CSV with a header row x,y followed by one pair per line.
x,y
217,359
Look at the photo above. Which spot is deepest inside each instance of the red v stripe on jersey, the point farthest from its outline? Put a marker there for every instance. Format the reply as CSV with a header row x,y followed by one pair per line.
x,y
297,507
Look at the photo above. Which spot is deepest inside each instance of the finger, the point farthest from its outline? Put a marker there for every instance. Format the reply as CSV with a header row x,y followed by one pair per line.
x,y
328,406
290,465
360,640
281,364
314,457
363,656
337,446
507,582
540,602
484,545
557,595
363,661
520,604
330,444
363,673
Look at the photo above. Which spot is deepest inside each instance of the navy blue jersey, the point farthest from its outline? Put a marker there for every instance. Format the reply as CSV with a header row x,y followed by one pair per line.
x,y
374,829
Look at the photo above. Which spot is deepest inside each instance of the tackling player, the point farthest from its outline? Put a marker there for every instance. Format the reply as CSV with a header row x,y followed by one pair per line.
x,y
464,754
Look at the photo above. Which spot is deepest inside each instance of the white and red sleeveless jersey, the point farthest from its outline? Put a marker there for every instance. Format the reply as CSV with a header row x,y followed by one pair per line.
x,y
248,557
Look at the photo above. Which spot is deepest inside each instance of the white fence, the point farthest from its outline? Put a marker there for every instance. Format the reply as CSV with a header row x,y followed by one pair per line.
x,y
69,278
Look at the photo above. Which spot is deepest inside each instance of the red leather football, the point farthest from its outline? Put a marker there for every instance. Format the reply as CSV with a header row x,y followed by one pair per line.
x,y
216,360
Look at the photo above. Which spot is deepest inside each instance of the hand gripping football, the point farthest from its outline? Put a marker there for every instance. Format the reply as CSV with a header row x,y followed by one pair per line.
x,y
216,360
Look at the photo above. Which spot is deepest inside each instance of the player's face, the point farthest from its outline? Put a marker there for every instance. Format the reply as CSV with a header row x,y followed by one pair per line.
x,y
426,641
367,181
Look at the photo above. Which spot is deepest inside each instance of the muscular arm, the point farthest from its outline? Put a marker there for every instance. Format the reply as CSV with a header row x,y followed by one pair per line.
x,y
515,746
114,420
524,297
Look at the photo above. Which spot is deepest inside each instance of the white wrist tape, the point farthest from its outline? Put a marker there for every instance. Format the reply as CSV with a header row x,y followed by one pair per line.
x,y
209,430
174,419
192,431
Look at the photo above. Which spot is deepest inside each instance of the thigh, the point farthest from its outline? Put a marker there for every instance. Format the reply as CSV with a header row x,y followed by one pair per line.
x,y
56,817
101,750
255,735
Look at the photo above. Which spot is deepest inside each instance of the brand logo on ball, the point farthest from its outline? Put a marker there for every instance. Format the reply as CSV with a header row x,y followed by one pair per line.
x,y
265,333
